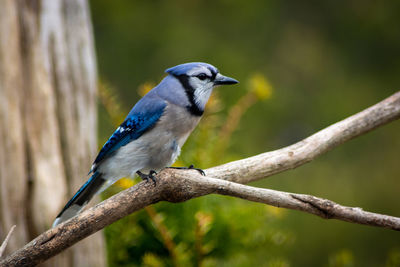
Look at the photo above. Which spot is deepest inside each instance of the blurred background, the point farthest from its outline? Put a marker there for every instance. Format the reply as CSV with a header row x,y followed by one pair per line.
x,y
302,66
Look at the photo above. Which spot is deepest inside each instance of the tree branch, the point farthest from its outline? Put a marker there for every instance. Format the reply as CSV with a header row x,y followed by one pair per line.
x,y
178,186
323,208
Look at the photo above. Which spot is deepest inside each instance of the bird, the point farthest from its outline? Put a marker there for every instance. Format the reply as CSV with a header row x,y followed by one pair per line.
x,y
153,133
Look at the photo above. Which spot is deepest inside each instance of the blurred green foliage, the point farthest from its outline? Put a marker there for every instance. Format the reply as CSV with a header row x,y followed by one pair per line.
x,y
303,65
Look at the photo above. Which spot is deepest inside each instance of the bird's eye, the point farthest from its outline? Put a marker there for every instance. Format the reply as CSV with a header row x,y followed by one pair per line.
x,y
202,76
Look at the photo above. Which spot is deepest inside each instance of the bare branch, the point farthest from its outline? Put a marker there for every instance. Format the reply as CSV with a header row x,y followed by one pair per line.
x,y
177,186
5,242
324,208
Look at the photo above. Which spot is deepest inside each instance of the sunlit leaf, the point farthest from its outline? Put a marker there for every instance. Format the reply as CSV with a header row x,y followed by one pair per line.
x,y
260,86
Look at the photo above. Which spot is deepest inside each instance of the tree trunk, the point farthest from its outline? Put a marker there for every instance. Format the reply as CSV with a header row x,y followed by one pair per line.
x,y
47,118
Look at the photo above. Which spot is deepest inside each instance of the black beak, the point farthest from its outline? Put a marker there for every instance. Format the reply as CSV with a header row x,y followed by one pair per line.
x,y
221,79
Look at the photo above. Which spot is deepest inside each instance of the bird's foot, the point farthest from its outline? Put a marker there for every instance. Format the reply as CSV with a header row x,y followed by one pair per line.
x,y
146,177
191,167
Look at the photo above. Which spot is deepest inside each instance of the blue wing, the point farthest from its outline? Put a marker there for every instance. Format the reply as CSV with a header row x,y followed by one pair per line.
x,y
140,119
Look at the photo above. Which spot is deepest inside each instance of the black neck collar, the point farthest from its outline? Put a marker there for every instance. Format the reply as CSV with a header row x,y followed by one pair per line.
x,y
193,108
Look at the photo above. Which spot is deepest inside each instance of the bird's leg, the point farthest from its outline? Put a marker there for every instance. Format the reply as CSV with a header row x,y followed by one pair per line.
x,y
191,167
148,176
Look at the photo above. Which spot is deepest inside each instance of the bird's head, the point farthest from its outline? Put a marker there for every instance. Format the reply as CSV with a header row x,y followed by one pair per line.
x,y
198,79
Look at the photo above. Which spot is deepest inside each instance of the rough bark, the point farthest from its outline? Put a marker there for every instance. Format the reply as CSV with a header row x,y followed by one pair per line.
x,y
177,186
47,117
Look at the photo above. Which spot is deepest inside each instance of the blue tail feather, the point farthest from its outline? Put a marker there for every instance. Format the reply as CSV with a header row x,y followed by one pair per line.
x,y
81,198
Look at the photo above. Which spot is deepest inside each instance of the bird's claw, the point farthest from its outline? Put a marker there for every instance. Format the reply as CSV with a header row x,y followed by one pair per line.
x,y
146,177
191,167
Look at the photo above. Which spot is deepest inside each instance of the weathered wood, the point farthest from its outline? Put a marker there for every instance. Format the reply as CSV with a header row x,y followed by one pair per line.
x,y
13,171
47,117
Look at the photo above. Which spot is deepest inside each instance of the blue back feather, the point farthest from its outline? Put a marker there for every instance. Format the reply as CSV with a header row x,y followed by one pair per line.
x,y
140,119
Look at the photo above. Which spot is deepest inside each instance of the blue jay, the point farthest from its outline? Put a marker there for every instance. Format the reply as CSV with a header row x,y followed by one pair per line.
x,y
151,136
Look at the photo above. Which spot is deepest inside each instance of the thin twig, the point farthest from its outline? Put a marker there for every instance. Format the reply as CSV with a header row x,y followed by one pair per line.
x,y
4,244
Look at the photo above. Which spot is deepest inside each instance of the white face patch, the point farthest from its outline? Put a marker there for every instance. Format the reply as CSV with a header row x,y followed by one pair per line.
x,y
202,90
